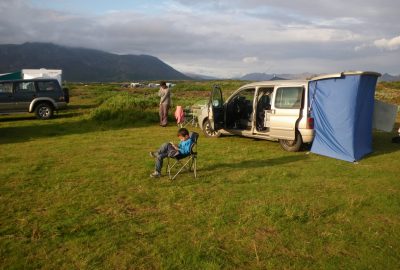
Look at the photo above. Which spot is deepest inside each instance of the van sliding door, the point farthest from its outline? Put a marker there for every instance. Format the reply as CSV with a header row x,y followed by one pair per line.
x,y
285,112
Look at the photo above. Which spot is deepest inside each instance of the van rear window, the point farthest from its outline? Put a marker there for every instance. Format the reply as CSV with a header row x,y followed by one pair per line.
x,y
288,97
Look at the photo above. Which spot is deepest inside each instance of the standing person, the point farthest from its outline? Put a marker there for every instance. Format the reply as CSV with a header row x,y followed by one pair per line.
x,y
165,102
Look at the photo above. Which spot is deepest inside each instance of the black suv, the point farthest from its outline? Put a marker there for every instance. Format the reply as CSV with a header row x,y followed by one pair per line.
x,y
42,96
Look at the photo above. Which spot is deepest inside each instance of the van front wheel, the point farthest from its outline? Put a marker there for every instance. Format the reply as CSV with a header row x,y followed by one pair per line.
x,y
209,131
292,145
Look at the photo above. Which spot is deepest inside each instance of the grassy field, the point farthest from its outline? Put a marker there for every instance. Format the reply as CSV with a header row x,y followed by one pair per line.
x,y
75,193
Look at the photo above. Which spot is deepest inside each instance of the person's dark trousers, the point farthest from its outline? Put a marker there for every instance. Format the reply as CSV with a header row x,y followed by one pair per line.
x,y
164,114
166,150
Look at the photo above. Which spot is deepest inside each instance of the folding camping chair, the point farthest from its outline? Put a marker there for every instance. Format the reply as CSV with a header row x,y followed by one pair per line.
x,y
184,161
190,117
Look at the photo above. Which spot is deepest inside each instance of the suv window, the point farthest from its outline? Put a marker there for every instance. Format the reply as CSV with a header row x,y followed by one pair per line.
x,y
5,88
25,87
46,86
288,97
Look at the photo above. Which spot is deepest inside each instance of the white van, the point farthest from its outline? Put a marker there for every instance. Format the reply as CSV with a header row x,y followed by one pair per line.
x,y
271,110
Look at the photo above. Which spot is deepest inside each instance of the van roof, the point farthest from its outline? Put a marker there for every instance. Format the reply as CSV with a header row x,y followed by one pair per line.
x,y
275,83
321,77
338,75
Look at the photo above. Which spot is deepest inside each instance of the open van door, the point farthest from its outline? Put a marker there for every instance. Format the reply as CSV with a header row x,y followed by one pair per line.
x,y
216,109
285,112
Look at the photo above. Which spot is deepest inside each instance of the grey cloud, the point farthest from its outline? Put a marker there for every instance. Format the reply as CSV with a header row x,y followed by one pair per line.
x,y
378,16
215,36
322,8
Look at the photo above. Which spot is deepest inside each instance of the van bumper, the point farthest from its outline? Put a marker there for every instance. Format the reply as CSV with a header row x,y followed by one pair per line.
x,y
307,135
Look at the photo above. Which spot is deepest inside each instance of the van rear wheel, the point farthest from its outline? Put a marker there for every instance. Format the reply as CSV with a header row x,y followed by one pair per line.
x,y
292,145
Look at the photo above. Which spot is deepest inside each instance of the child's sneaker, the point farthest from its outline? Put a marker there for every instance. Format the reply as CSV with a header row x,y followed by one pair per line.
x,y
155,175
153,155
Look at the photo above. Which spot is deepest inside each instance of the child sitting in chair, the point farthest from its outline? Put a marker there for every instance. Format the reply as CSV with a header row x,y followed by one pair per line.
x,y
171,150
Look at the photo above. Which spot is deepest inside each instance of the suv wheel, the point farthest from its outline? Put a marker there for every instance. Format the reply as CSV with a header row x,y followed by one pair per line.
x,y
209,131
292,145
44,111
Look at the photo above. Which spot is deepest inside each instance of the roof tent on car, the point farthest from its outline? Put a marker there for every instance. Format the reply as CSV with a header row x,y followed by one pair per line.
x,y
11,76
33,74
342,106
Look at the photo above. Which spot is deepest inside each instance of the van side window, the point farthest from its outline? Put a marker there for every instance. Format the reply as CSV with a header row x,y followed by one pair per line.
x,y
46,86
6,88
288,97
25,87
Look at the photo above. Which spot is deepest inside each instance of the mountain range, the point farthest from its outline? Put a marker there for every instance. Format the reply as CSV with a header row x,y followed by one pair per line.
x,y
389,78
201,77
89,65
85,65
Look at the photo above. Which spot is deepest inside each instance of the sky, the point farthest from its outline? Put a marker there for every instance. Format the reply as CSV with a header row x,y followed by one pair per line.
x,y
223,38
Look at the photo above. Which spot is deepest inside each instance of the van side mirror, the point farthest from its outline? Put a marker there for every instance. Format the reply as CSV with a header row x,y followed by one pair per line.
x,y
215,103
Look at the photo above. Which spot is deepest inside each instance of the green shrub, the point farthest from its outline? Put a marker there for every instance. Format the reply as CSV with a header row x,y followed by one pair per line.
x,y
125,108
393,85
101,97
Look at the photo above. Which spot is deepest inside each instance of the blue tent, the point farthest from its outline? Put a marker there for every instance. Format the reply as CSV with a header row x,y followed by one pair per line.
x,y
342,107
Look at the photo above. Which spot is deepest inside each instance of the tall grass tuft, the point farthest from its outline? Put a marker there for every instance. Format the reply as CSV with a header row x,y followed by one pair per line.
x,y
123,108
